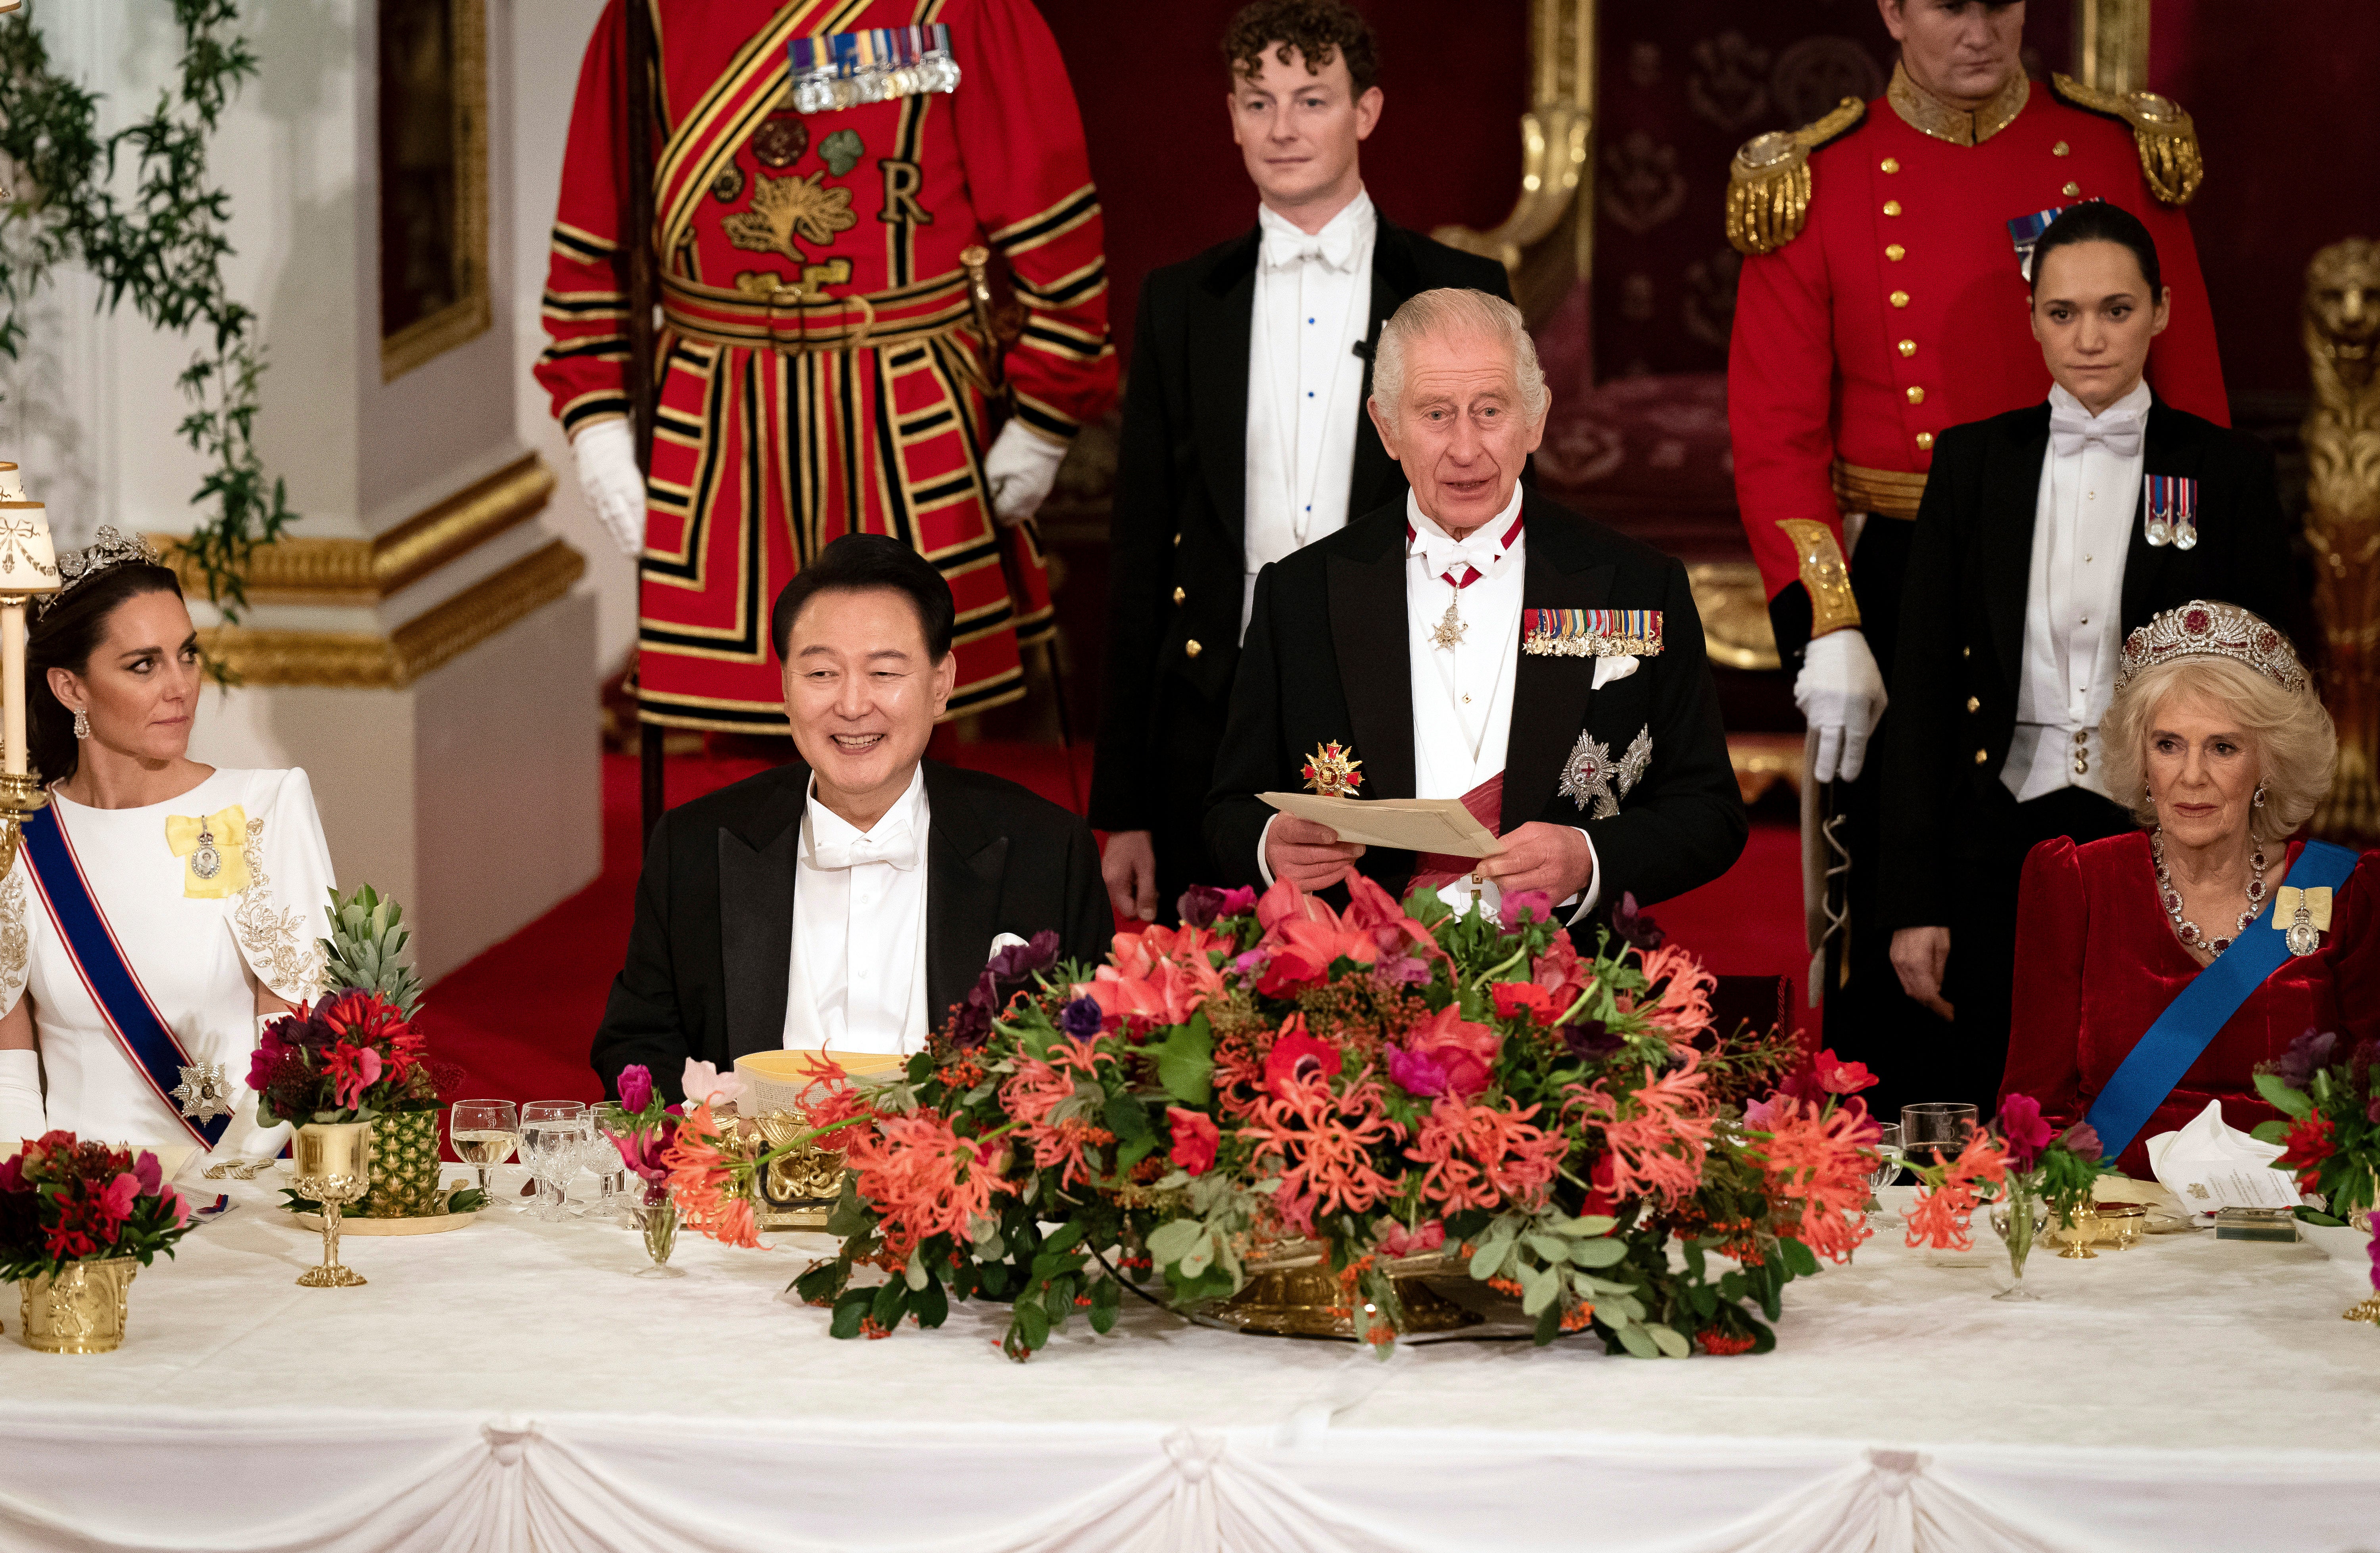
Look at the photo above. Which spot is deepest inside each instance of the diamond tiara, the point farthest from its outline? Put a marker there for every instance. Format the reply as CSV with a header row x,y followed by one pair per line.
x,y
2204,628
107,550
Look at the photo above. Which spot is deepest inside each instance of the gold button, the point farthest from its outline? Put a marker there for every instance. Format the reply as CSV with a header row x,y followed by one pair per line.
x,y
1177,539
1975,705
1916,396
1890,165
1892,207
1900,298
1894,251
1908,347
2061,149
2081,736
2072,190
1966,651
1982,756
1178,595
1925,442
1191,648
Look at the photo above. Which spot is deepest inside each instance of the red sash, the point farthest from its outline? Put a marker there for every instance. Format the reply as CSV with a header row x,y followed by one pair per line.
x,y
1434,869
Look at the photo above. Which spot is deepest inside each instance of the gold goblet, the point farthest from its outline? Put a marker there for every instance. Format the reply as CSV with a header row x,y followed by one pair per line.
x,y
333,1162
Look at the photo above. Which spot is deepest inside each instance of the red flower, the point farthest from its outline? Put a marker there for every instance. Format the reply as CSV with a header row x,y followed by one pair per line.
x,y
114,1201
1195,1138
2027,1134
1464,1050
2308,1143
352,1070
1514,998
1297,1058
1842,1078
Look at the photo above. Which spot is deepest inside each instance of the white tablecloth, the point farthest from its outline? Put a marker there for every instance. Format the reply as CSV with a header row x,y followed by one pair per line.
x,y
510,1387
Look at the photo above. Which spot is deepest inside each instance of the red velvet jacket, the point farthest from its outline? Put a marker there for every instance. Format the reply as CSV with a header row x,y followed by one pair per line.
x,y
2097,962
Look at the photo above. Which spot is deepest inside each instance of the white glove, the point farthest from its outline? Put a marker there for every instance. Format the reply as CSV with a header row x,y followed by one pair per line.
x,y
1841,694
1020,469
20,1101
615,486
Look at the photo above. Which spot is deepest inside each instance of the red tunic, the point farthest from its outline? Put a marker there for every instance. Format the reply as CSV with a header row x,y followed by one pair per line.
x,y
1818,369
820,370
2097,962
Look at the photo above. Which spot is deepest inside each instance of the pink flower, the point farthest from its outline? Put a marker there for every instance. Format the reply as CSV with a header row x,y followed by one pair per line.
x,y
115,1200
635,1088
1466,1051
1195,1137
1416,1074
1395,1239
175,1205
704,1084
149,1173
2375,1250
2020,1124
353,1069
1297,1058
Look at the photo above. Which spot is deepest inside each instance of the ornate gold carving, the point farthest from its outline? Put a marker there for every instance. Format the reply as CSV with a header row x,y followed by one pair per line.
x,y
364,572
2164,135
361,660
1928,114
289,958
1546,243
1736,633
1827,580
468,315
1883,493
2341,328
1768,185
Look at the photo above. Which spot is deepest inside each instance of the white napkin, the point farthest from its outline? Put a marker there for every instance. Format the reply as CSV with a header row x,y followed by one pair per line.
x,y
2209,1166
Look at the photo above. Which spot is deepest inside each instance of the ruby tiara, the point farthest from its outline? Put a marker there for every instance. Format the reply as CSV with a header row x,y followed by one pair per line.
x,y
108,549
2203,628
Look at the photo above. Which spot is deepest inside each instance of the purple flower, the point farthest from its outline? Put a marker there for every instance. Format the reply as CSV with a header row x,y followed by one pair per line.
x,y
1634,926
1522,904
1589,1039
971,1023
149,1174
1408,970
2084,1139
1416,1074
2306,1054
636,1088
1082,1018
2375,1250
1021,960
1200,905
12,1173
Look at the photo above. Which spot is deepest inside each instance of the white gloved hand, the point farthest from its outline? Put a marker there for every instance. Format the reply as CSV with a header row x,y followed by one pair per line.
x,y
1841,694
615,486
21,1115
1020,469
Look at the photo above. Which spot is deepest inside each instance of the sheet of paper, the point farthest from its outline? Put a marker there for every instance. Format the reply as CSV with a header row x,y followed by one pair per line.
x,y
1407,824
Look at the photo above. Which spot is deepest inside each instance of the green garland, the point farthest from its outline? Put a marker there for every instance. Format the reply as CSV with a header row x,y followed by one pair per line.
x,y
163,248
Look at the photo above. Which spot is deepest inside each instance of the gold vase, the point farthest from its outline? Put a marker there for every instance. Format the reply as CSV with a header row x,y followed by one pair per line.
x,y
331,1162
81,1310
403,1166
1293,1293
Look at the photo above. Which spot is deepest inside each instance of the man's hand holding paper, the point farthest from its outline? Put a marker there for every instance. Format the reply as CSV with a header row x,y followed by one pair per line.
x,y
1308,854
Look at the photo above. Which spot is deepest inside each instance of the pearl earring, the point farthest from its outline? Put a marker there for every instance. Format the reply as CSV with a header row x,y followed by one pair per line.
x,y
82,724
2260,795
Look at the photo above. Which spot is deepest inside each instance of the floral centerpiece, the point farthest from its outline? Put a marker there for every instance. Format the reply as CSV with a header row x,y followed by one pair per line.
x,y
353,1056
2019,1161
2329,1101
76,1219
1373,1085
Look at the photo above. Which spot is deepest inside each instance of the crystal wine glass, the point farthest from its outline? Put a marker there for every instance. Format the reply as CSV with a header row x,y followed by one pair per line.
x,y
1888,1170
550,1131
1935,1131
484,1132
606,1122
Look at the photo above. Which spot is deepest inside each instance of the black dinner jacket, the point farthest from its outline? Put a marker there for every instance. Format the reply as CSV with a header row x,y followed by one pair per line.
x,y
712,942
1182,487
1956,673
1327,659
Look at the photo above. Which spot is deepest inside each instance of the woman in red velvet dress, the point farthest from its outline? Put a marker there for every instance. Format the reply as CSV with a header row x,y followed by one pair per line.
x,y
2216,726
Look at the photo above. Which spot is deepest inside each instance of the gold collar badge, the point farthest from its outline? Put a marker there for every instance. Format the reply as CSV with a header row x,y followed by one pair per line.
x,y
1331,772
1928,114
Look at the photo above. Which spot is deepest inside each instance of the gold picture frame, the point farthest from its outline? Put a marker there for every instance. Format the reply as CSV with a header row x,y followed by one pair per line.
x,y
433,77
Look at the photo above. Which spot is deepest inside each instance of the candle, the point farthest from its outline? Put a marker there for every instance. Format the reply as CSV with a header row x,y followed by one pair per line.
x,y
29,565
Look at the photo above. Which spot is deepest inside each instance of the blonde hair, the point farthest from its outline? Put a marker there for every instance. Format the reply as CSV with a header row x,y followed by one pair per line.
x,y
2297,748
1455,311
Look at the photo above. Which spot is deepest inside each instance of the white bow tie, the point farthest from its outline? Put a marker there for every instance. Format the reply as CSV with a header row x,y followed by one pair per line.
x,y
1442,554
1335,247
892,841
2117,430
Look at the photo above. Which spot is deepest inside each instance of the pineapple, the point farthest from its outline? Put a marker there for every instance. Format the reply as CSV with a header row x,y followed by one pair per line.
x,y
367,937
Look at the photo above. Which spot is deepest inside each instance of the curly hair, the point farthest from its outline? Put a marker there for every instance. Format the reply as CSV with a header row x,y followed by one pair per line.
x,y
1320,30
2297,749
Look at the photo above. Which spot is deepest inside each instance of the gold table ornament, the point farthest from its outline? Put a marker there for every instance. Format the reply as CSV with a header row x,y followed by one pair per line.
x,y
331,1162
80,1309
29,569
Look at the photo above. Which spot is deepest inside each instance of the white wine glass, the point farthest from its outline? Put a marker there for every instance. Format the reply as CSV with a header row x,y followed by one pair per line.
x,y
484,1132
550,1131
607,1120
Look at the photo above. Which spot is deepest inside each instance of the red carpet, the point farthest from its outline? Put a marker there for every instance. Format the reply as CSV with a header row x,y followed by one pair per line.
x,y
518,1018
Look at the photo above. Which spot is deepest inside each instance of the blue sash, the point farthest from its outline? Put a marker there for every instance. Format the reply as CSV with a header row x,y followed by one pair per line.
x,y
2156,1063
106,974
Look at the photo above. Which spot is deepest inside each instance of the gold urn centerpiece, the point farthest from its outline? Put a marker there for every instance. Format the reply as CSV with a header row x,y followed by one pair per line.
x,y
77,1221
797,1190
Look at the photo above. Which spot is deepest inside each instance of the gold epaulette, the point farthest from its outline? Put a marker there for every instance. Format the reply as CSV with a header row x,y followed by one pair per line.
x,y
2167,138
1768,186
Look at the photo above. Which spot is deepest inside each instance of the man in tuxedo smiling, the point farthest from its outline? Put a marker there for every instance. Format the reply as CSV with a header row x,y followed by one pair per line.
x,y
1245,435
848,899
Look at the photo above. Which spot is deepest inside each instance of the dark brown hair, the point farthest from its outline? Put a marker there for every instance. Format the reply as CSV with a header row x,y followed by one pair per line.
x,y
2095,221
1320,30
65,637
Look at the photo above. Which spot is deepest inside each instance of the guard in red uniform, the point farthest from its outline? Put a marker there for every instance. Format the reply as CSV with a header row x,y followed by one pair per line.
x,y
1883,299
826,172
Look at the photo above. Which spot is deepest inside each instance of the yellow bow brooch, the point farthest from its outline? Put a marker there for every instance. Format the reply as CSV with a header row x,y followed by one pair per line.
x,y
214,853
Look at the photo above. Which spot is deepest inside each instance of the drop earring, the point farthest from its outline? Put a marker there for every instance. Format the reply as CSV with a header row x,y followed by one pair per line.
x,y
82,724
2260,795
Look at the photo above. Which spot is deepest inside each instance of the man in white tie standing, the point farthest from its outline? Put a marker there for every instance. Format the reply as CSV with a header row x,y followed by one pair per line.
x,y
848,899
1245,435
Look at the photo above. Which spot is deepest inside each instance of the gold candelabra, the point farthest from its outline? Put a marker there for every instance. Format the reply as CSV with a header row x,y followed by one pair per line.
x,y
2341,327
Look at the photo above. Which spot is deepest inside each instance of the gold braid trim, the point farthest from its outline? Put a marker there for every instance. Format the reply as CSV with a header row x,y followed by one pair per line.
x,y
1768,185
1824,576
2165,136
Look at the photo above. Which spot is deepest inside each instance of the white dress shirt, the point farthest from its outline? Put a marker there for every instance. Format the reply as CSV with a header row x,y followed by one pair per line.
x,y
2074,605
857,976
1305,383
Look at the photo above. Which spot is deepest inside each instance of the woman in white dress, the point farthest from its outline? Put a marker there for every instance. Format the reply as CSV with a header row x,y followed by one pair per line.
x,y
157,908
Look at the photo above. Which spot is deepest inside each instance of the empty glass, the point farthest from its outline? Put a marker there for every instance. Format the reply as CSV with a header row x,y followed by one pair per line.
x,y
611,1171
484,1132
551,1135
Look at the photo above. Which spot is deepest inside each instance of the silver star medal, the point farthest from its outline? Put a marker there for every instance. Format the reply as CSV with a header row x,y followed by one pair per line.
x,y
1590,775
1451,625
204,1092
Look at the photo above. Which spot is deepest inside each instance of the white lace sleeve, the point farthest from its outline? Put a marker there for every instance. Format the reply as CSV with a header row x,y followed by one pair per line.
x,y
282,917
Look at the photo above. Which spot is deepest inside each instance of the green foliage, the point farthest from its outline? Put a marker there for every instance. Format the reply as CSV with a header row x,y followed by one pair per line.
x,y
162,249
367,938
